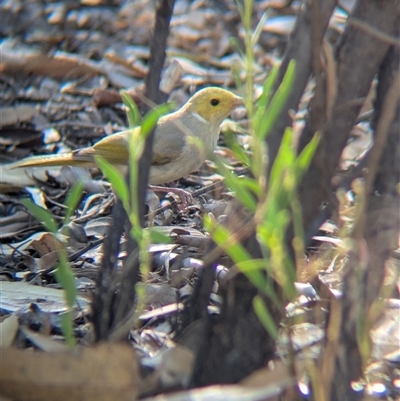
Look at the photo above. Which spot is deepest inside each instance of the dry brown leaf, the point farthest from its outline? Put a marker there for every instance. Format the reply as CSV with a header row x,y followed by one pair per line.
x,y
46,244
8,249
12,224
8,330
16,114
15,295
106,372
22,61
20,178
173,366
176,366
158,295
43,341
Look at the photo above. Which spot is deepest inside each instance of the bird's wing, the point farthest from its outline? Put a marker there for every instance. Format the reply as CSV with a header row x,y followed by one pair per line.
x,y
169,143
113,148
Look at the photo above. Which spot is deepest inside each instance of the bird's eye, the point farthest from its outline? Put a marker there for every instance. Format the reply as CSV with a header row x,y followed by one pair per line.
x,y
214,102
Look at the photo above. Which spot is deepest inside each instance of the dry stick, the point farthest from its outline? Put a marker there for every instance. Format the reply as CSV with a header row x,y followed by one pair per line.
x,y
331,80
102,297
354,78
107,310
308,55
338,368
88,247
365,116
126,295
299,48
319,110
382,131
153,94
384,37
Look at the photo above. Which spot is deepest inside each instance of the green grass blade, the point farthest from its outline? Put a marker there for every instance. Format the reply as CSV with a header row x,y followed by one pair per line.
x,y
277,102
304,159
259,27
74,195
65,277
265,317
150,119
234,182
67,328
224,239
284,159
157,237
132,112
117,180
262,102
237,150
41,214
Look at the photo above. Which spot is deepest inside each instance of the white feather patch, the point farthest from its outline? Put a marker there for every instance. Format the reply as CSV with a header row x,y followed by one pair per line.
x,y
199,117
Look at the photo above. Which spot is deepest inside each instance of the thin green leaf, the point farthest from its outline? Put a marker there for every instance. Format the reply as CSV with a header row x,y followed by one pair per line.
x,y
284,158
238,49
132,112
251,265
254,270
136,147
150,119
239,7
223,238
304,159
136,143
157,237
65,277
263,100
265,317
257,278
259,27
67,328
74,195
268,86
136,231
247,15
41,214
259,162
278,101
236,148
276,223
250,184
117,180
287,276
234,182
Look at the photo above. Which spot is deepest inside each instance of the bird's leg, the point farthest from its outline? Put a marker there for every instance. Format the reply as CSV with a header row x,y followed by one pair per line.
x,y
185,196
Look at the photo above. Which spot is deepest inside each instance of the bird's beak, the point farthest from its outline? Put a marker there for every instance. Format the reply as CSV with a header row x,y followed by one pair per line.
x,y
238,101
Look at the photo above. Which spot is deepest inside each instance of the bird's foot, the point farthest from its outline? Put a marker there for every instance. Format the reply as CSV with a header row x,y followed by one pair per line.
x,y
185,196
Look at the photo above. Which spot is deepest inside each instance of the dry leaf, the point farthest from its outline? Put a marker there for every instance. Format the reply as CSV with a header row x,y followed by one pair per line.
x,y
8,330
106,372
15,295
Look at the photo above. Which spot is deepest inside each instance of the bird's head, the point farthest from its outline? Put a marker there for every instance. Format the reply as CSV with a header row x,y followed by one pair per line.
x,y
213,104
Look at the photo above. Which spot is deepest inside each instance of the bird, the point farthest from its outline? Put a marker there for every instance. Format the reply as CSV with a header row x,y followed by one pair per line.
x,y
174,154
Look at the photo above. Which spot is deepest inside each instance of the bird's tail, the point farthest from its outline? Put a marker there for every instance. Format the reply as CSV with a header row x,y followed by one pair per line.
x,y
51,160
